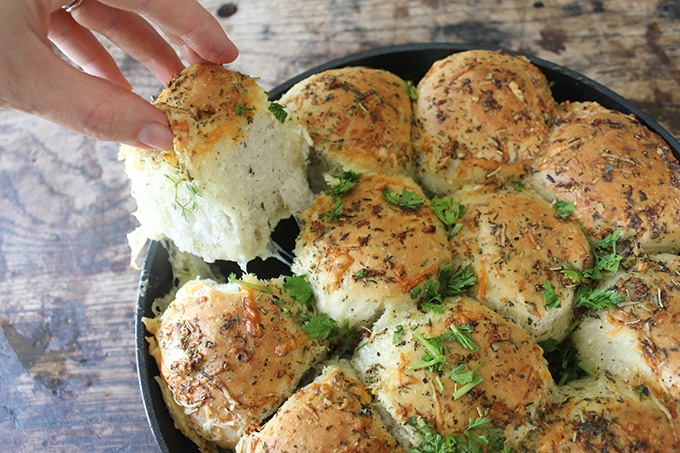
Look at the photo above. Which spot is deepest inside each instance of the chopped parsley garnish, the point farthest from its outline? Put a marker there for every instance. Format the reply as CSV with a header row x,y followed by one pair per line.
x,y
345,182
407,200
463,335
335,213
398,333
232,279
606,259
460,281
319,326
563,209
278,111
466,377
478,436
411,88
448,211
518,185
571,273
597,298
563,362
433,292
299,289
190,204
361,273
316,325
434,358
240,108
549,296
432,296
643,391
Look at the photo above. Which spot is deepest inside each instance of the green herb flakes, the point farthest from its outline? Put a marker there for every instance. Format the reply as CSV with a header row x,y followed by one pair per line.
x,y
278,111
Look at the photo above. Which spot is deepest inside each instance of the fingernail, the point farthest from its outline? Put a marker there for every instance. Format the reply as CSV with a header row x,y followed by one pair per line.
x,y
156,135
229,53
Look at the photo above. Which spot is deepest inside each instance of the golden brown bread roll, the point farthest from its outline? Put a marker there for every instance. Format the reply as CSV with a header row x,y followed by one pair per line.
x,y
228,357
333,414
513,379
618,174
480,117
517,248
359,119
601,414
235,170
639,339
372,253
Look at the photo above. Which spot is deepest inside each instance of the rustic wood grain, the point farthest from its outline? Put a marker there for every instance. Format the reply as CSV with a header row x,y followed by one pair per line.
x,y
67,293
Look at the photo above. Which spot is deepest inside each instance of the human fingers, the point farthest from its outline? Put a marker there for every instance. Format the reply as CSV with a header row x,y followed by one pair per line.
x,y
133,34
187,21
84,49
95,107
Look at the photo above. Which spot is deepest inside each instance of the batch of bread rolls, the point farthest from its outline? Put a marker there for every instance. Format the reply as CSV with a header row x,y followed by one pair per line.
x,y
453,233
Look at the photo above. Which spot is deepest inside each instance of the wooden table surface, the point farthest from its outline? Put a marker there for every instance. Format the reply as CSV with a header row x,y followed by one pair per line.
x,y
67,293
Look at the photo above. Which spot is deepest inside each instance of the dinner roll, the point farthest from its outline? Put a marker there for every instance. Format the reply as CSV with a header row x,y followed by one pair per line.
x,y
362,253
359,119
507,380
480,117
618,173
235,171
228,356
333,414
601,414
517,245
638,339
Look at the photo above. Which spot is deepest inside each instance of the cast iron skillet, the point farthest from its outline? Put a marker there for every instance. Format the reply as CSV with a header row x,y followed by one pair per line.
x,y
410,62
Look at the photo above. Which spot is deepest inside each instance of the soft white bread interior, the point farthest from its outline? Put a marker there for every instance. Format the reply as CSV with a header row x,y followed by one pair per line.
x,y
236,169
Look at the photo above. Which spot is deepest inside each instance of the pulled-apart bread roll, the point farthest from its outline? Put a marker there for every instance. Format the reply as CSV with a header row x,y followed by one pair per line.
x,y
618,174
359,119
446,369
601,414
639,339
480,117
237,168
362,253
517,244
228,356
333,414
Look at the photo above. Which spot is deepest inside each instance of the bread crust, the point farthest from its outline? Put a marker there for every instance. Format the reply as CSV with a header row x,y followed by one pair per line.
x,y
617,173
229,356
515,381
638,339
373,254
333,414
480,117
359,119
517,246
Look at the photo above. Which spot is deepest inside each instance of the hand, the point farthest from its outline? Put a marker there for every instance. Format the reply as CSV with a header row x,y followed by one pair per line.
x,y
97,100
